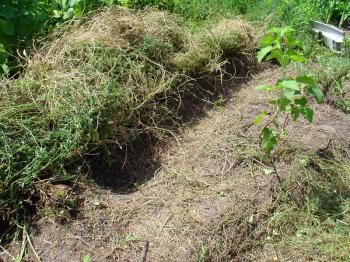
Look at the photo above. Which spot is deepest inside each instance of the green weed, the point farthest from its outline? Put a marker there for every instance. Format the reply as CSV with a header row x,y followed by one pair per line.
x,y
21,21
281,45
343,105
313,214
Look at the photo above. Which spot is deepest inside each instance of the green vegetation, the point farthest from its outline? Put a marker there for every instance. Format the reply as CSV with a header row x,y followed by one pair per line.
x,y
336,10
281,45
90,88
313,210
21,20
101,78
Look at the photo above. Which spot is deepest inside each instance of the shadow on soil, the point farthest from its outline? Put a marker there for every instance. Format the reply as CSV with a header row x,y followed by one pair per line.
x,y
123,170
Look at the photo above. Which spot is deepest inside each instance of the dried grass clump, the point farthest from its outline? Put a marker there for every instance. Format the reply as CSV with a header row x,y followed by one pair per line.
x,y
107,80
230,36
205,52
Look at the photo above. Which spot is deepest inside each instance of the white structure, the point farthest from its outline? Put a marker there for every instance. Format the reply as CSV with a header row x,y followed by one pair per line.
x,y
332,36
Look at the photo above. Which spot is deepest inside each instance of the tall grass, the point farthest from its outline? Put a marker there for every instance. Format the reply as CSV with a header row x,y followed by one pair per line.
x,y
296,13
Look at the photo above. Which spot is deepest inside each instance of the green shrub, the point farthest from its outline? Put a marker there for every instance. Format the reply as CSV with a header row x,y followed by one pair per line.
x,y
21,20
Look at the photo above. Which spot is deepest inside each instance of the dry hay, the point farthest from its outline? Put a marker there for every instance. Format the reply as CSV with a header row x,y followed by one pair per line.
x,y
204,53
208,202
106,80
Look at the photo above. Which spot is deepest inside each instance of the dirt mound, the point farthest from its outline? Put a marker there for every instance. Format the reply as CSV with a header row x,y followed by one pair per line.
x,y
101,82
205,203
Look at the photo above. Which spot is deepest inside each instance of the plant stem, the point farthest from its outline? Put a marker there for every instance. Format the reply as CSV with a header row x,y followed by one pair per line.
x,y
270,122
331,8
344,14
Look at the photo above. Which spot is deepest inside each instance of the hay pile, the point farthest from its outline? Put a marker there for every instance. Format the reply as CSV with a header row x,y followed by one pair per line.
x,y
109,79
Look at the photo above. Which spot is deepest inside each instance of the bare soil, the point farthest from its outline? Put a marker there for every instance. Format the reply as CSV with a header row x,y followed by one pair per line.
x,y
207,201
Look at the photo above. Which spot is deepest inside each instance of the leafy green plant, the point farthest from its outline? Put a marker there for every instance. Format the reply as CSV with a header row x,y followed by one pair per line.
x,y
335,10
330,8
281,45
345,12
67,9
21,20
293,92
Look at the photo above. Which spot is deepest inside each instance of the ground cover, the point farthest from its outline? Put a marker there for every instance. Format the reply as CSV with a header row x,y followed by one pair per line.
x,y
215,196
129,128
115,77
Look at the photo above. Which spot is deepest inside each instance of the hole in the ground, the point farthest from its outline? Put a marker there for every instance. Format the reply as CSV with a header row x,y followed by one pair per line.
x,y
123,169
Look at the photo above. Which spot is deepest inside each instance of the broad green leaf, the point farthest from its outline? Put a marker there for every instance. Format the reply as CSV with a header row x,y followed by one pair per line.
x,y
317,93
290,84
298,58
285,60
307,80
275,54
295,56
308,113
7,27
263,53
299,44
267,40
5,69
290,94
269,140
265,88
295,112
293,43
287,31
8,12
301,101
260,117
281,58
281,103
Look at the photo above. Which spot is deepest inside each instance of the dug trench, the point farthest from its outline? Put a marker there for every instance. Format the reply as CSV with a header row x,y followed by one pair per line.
x,y
137,162
122,170
108,79
205,195
195,185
